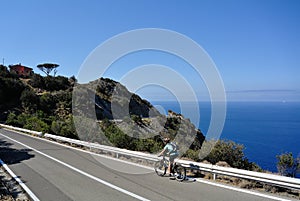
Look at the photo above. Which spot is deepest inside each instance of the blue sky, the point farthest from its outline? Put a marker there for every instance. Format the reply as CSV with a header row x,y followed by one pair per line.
x,y
254,44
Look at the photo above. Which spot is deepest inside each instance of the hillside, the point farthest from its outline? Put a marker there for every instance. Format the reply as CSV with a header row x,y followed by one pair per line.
x,y
53,94
123,118
105,112
45,104
112,100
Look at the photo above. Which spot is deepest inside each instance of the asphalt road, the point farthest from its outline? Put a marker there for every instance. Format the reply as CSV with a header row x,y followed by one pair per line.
x,y
61,173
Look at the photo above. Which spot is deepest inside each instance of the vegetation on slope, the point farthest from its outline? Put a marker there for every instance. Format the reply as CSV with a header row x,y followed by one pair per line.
x,y
45,104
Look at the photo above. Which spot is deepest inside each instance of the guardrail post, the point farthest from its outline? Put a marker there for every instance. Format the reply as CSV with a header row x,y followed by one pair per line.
x,y
214,176
213,172
90,146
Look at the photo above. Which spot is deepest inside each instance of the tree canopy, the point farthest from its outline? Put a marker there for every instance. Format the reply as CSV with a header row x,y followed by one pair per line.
x,y
48,68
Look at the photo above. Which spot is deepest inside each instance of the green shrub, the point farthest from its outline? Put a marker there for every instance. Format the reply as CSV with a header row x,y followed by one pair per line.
x,y
287,165
192,154
12,119
148,145
64,128
10,91
29,100
36,124
37,81
118,138
56,83
4,71
230,152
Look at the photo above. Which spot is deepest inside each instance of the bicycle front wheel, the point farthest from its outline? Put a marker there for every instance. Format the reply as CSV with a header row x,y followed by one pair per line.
x,y
160,168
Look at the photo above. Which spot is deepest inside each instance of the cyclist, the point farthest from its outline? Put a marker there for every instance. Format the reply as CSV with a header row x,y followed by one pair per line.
x,y
170,150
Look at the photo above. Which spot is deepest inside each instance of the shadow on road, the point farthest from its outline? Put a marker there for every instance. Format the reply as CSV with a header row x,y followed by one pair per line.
x,y
11,155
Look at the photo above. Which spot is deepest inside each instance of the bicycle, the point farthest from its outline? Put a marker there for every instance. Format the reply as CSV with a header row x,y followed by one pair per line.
x,y
177,169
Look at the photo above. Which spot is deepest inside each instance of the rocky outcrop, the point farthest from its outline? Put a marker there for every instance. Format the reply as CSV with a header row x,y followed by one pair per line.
x,y
114,101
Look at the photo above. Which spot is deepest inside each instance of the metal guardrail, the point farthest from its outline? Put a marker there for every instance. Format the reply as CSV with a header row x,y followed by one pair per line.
x,y
22,130
117,151
272,179
214,169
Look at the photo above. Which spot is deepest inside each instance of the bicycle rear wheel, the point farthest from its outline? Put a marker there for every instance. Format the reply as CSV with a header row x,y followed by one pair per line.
x,y
180,172
160,168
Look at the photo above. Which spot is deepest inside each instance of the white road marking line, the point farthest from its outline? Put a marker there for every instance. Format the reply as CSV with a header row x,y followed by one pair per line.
x,y
198,180
85,151
241,190
20,182
81,172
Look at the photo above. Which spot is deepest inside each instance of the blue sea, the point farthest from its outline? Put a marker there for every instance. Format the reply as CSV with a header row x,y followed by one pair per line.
x,y
266,129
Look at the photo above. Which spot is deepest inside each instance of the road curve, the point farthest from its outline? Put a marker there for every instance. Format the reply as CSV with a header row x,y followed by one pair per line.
x,y
56,172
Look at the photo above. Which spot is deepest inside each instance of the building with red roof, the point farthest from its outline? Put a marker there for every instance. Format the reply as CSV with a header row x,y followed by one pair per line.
x,y
21,70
